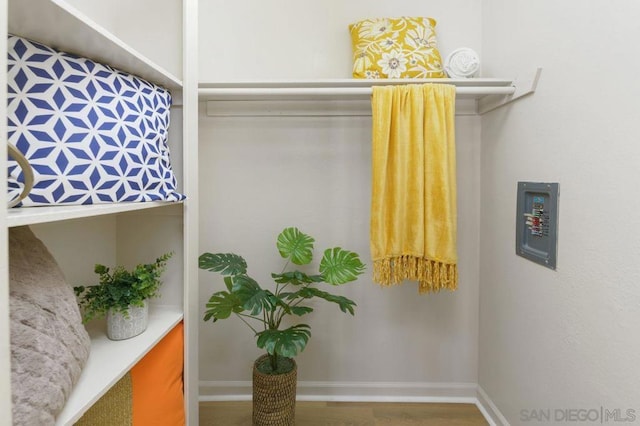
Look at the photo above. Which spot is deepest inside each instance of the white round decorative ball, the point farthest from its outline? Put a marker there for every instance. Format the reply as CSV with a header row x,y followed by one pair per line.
x,y
462,63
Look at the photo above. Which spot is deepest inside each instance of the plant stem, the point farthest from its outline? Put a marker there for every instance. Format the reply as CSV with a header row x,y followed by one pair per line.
x,y
274,361
278,289
285,265
244,321
279,312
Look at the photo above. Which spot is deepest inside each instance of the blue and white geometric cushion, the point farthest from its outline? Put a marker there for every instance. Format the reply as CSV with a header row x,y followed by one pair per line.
x,y
92,134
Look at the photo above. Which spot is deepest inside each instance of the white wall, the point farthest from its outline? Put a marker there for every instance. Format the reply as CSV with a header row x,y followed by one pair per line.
x,y
260,175
305,39
565,338
77,245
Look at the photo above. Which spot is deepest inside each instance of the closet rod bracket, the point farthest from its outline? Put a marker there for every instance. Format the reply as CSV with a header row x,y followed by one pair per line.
x,y
524,85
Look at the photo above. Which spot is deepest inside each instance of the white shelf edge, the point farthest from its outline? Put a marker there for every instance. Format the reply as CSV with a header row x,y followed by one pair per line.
x,y
489,93
20,216
110,360
340,97
60,25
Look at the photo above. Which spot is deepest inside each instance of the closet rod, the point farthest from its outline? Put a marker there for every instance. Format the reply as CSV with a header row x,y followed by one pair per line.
x,y
228,93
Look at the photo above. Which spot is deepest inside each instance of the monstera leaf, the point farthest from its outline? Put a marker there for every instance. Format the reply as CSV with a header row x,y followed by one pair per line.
x,y
340,266
221,305
293,244
346,305
287,343
252,297
225,263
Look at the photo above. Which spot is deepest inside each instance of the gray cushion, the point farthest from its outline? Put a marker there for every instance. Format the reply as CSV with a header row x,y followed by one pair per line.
x,y
49,344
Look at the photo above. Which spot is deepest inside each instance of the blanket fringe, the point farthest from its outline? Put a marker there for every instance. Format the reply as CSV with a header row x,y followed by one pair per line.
x,y
432,275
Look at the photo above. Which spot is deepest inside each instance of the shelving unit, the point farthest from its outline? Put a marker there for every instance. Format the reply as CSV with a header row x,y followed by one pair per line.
x,y
58,24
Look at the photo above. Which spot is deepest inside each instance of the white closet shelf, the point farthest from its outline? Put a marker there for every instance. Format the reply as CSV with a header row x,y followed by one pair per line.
x,y
19,216
59,25
495,91
110,360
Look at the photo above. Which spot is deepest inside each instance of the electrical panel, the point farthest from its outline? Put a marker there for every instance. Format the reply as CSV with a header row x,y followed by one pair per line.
x,y
537,222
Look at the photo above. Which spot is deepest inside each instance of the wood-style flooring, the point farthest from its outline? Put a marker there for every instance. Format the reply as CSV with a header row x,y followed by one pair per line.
x,y
350,414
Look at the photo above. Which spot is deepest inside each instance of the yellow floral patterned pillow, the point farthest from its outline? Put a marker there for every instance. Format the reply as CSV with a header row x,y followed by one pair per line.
x,y
395,48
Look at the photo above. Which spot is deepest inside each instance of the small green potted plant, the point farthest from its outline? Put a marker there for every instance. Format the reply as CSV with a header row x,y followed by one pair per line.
x,y
264,312
122,296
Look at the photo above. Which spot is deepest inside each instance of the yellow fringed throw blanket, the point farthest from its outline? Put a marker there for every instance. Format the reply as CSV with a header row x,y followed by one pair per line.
x,y
413,205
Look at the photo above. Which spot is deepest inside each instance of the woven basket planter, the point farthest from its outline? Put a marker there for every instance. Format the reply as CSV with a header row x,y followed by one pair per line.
x,y
274,397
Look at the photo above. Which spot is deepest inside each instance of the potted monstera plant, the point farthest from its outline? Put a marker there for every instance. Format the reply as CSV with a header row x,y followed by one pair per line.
x,y
122,295
268,313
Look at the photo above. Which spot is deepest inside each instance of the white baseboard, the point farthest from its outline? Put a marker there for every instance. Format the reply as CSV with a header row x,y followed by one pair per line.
x,y
489,410
350,391
461,393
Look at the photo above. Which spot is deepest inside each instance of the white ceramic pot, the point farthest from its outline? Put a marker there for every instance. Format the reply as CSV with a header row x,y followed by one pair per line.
x,y
120,327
